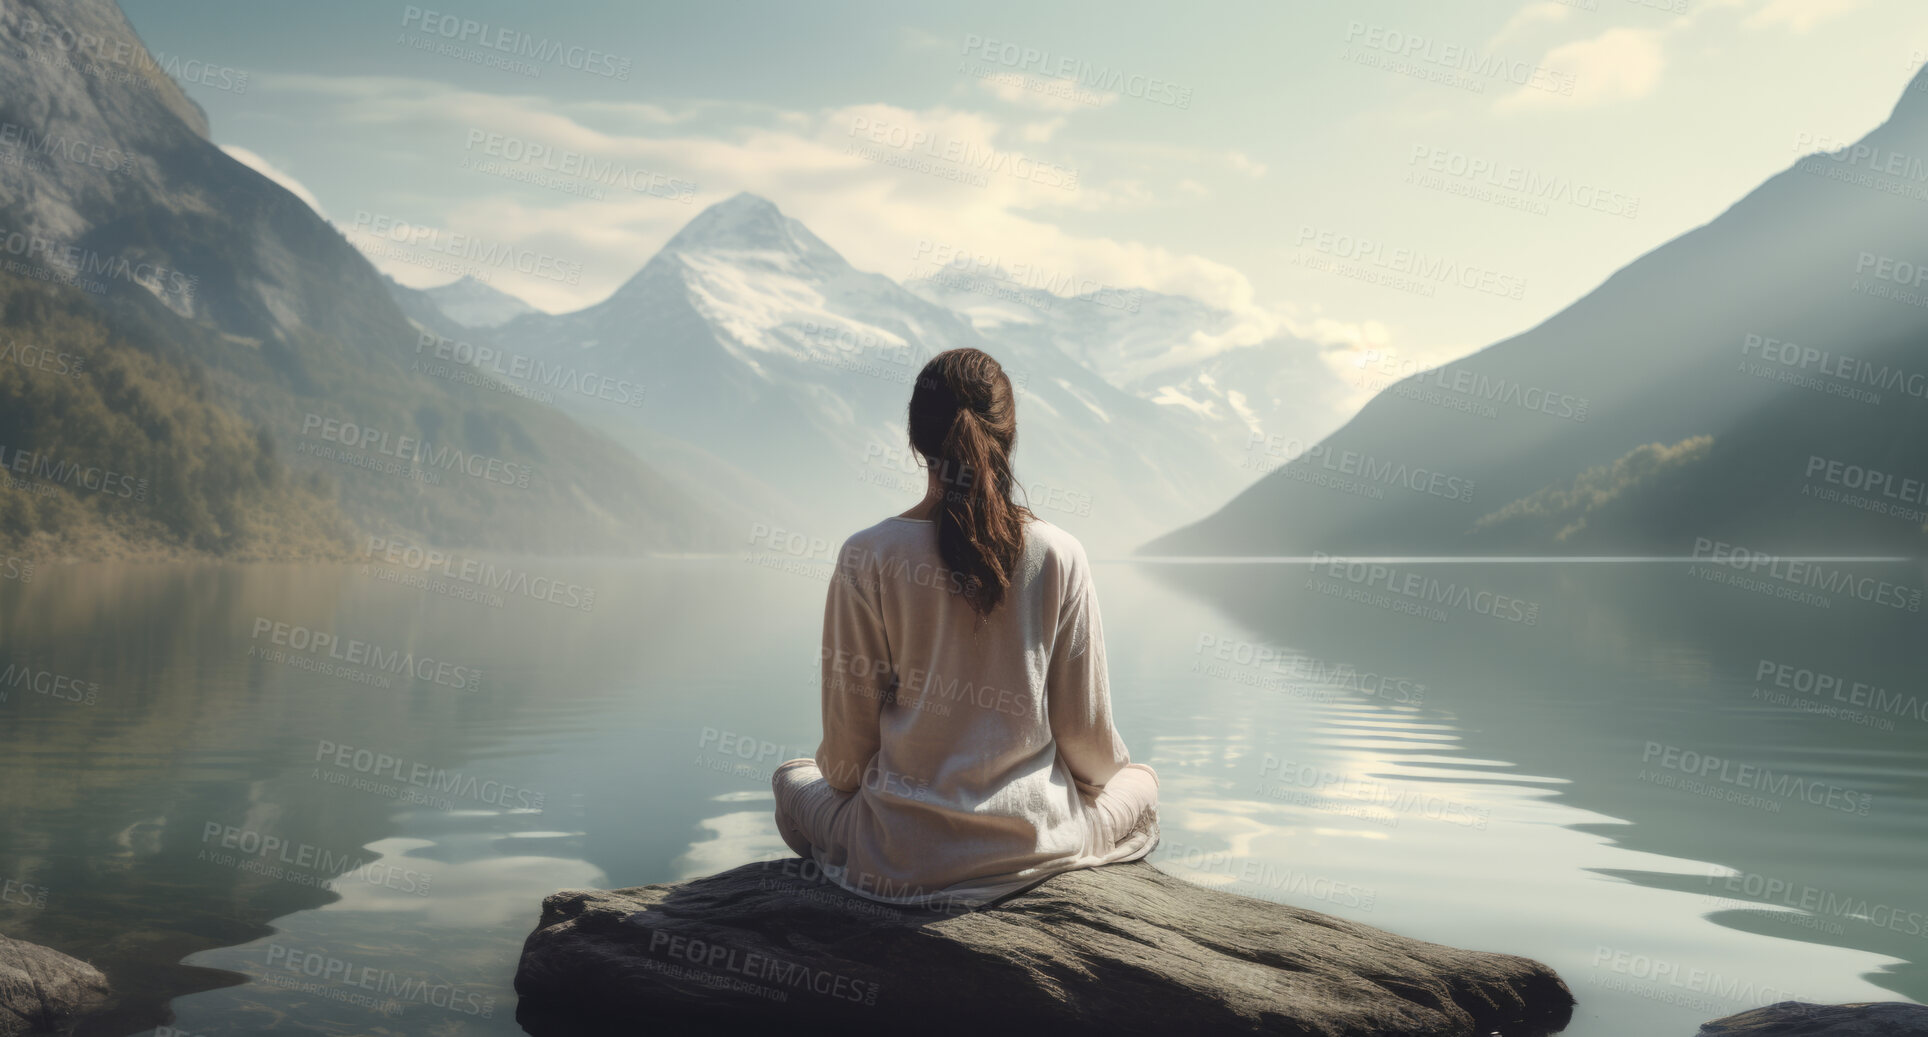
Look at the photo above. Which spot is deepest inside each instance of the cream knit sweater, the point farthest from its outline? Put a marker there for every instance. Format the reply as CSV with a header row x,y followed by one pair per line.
x,y
973,752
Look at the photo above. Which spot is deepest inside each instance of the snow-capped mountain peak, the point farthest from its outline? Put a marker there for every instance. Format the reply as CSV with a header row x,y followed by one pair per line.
x,y
747,223
762,345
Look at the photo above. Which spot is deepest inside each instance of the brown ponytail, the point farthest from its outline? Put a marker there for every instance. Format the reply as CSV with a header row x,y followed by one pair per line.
x,y
964,421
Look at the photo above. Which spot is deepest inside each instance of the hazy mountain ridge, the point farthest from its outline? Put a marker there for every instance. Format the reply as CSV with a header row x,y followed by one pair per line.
x,y
757,344
117,450
473,304
294,329
1684,342
1193,360
1612,496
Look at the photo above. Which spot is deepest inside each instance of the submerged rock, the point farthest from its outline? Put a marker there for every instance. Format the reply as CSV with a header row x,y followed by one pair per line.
x,y
1119,949
1800,1019
43,990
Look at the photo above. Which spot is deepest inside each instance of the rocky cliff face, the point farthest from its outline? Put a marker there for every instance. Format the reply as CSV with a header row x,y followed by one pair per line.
x,y
117,210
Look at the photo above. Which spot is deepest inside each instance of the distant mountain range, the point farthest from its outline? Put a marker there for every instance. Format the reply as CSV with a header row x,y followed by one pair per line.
x,y
783,372
472,304
1192,359
1761,381
196,333
747,376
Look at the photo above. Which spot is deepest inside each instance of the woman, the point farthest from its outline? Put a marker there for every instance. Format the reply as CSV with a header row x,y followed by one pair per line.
x,y
968,750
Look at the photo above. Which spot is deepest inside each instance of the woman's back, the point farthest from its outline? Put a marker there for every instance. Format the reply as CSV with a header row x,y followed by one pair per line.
x,y
965,741
968,748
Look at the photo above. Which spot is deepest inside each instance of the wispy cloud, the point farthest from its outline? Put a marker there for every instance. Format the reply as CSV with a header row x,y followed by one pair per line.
x,y
955,174
274,173
1617,65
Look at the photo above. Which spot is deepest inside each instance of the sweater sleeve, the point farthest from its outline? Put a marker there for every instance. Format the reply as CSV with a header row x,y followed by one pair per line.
x,y
1077,688
858,675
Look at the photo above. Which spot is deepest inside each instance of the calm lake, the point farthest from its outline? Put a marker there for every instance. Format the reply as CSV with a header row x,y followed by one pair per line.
x,y
1690,790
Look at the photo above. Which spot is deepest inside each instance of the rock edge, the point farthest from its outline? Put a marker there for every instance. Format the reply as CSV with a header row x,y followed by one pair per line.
x,y
1120,949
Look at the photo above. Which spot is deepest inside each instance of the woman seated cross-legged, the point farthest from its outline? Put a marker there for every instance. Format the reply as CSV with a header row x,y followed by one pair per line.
x,y
968,750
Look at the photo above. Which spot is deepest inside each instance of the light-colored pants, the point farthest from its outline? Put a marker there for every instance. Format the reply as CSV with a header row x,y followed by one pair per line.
x,y
808,807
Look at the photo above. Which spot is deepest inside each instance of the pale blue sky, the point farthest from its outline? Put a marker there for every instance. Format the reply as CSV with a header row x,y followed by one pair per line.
x,y
1295,144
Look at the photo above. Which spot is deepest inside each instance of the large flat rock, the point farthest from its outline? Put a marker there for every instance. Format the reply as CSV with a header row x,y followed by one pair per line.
x,y
43,990
1119,949
1800,1019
